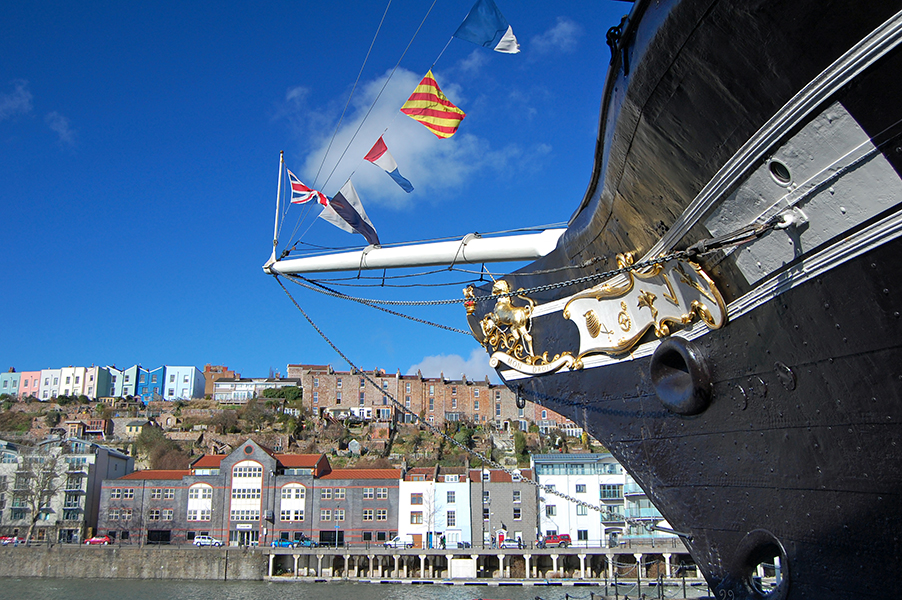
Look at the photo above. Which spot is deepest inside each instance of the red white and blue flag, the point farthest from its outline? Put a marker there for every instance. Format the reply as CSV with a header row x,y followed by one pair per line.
x,y
301,194
382,158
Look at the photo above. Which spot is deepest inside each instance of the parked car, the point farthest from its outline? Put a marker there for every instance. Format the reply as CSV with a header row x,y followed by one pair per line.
x,y
305,542
464,545
206,540
399,542
282,544
561,540
511,543
102,540
9,539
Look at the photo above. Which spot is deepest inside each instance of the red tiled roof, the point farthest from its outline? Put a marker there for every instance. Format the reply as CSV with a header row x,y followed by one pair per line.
x,y
498,476
298,460
363,474
157,474
208,461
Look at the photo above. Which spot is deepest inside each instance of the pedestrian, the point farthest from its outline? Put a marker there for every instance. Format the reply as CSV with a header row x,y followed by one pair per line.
x,y
493,541
442,541
519,542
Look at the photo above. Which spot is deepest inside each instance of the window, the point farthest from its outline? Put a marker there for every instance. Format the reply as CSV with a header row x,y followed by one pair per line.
x,y
486,497
497,410
451,497
168,493
245,493
244,515
381,493
172,378
114,514
407,402
581,510
156,493
382,514
339,493
550,510
453,389
580,488
339,514
582,535
325,514
247,471
475,404
544,414
316,397
338,382
362,398
115,493
325,494
153,378
153,515
451,518
517,514
128,494
368,493
296,492
416,499
167,514
337,397
453,403
609,491
431,403
516,496
368,514
362,382
291,515
485,514
200,491
126,514
416,518
407,387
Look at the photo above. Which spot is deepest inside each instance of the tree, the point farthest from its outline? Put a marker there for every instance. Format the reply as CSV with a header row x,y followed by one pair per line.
x,y
161,452
224,421
37,482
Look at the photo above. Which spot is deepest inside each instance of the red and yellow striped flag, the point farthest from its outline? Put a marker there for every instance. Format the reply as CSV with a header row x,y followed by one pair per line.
x,y
428,105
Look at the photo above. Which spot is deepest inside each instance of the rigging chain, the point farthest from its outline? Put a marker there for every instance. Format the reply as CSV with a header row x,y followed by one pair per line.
x,y
435,430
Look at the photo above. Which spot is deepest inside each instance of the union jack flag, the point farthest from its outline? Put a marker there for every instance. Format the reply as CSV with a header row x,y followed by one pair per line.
x,y
301,194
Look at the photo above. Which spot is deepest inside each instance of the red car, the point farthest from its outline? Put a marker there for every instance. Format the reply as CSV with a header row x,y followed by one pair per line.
x,y
561,540
7,540
98,539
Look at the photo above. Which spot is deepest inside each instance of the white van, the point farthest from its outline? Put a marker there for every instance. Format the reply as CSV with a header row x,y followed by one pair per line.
x,y
400,541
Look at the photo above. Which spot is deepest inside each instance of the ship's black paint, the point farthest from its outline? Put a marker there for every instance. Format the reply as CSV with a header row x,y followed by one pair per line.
x,y
794,446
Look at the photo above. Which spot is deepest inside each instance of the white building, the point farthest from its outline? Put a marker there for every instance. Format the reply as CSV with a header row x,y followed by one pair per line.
x,y
50,384
452,494
597,479
238,390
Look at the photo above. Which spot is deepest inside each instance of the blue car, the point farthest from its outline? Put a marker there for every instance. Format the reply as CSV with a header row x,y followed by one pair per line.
x,y
283,544
305,542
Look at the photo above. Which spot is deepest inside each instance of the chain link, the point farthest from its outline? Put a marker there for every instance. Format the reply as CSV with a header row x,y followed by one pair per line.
x,y
435,430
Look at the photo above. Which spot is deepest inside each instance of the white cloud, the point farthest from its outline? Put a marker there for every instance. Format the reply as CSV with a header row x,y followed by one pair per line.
x,y
562,37
435,167
60,125
16,102
473,63
476,367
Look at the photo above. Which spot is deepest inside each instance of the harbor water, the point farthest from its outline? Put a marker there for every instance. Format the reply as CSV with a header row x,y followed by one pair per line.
x,y
133,589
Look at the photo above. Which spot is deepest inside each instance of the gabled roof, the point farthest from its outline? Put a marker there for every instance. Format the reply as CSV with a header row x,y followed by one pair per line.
x,y
363,474
208,461
498,476
298,460
157,474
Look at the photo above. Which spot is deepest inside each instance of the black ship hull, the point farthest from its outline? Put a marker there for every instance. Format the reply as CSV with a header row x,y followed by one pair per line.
x,y
718,115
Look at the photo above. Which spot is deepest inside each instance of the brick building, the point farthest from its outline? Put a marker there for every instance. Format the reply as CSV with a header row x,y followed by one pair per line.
x,y
438,400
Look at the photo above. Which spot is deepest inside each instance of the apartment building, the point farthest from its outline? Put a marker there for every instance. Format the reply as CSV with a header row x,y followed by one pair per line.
x,y
503,505
62,481
439,401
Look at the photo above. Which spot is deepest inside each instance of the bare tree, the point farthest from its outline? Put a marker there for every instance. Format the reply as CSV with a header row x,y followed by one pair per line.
x,y
38,481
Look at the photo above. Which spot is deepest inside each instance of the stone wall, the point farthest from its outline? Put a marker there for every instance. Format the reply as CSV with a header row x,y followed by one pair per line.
x,y
149,562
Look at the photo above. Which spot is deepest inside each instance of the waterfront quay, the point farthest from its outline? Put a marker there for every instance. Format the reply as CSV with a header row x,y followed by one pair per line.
x,y
633,563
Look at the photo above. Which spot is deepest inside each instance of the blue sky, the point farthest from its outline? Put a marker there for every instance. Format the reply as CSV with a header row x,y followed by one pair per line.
x,y
139,149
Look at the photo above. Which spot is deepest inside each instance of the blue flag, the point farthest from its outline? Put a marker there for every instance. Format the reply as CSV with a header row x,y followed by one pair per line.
x,y
486,26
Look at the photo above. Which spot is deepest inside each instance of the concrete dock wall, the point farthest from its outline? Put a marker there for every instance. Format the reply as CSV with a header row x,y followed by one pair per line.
x,y
149,562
